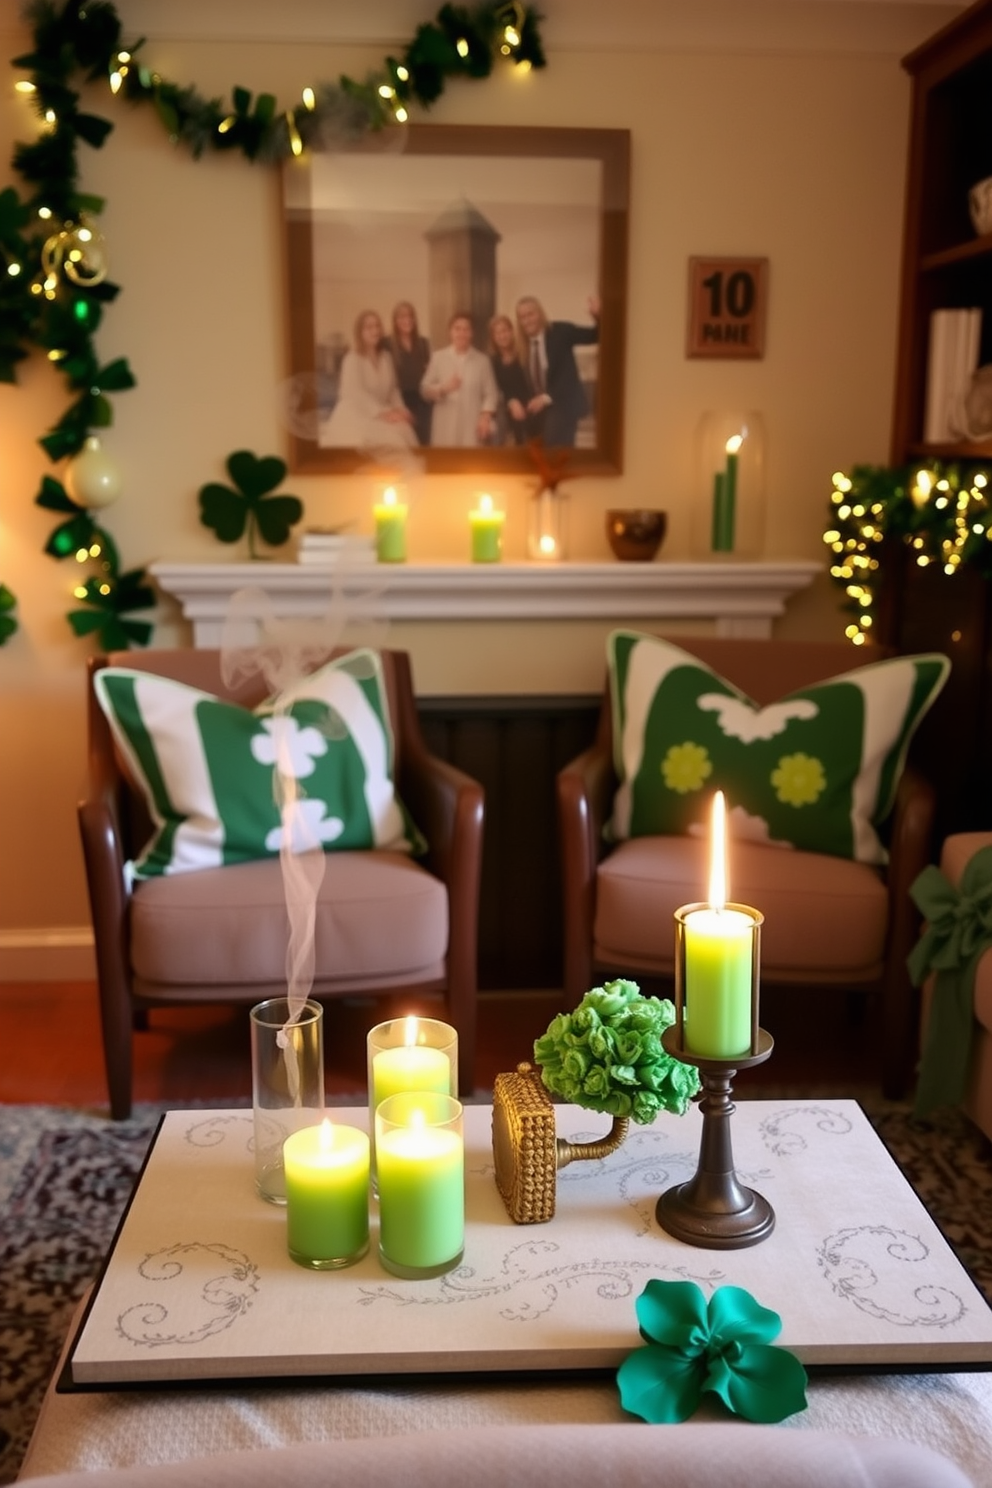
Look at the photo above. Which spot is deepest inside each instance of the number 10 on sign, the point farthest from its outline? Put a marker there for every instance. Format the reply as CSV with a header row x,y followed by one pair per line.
x,y
727,302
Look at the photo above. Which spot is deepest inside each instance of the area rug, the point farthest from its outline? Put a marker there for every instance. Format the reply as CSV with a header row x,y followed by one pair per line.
x,y
65,1177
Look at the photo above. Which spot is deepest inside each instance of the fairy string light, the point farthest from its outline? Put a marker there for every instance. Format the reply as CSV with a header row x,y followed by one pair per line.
x,y
941,512
54,284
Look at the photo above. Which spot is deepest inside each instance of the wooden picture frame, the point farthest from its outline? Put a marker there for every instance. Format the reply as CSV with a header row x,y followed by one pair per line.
x,y
454,218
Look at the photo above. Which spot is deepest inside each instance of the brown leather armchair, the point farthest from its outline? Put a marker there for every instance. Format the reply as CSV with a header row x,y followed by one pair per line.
x,y
827,921
385,923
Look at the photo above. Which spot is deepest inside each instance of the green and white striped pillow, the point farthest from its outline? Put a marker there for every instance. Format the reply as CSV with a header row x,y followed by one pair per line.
x,y
207,767
817,770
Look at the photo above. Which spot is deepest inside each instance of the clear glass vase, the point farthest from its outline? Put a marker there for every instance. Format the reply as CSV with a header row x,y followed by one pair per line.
x,y
547,525
729,508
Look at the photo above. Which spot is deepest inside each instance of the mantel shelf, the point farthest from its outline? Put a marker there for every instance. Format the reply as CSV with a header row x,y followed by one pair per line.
x,y
742,598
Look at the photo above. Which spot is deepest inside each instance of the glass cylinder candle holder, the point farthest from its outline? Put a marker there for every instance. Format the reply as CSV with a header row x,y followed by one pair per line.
x,y
410,1054
327,1195
729,509
717,975
287,1077
547,526
420,1159
486,531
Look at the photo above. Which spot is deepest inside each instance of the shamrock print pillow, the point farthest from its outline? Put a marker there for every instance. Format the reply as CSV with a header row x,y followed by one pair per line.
x,y
817,770
311,769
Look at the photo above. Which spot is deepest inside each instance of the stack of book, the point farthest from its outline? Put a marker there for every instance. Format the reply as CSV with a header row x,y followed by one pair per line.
x,y
334,547
951,364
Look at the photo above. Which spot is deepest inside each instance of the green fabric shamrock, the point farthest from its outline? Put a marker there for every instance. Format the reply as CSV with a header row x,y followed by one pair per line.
x,y
723,1346
607,1055
958,932
229,512
111,597
8,623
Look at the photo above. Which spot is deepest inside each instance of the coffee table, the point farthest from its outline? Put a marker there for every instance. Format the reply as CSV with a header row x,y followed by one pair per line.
x,y
198,1285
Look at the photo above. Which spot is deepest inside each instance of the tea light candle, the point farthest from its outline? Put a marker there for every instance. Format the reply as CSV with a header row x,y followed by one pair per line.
x,y
486,526
719,945
390,528
327,1195
420,1157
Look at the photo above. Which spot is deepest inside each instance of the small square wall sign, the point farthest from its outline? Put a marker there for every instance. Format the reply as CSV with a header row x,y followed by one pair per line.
x,y
728,298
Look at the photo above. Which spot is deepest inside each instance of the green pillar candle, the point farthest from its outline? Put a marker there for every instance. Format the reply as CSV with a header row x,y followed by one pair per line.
x,y
390,528
420,1159
718,539
719,946
725,498
327,1195
486,527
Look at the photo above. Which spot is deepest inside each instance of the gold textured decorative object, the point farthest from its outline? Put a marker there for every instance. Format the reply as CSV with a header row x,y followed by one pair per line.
x,y
527,1152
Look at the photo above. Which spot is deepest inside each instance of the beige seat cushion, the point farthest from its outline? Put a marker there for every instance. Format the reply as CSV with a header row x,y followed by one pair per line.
x,y
825,917
380,918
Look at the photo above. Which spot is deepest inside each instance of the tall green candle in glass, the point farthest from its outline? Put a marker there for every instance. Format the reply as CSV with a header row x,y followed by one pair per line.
x,y
719,976
420,1161
725,498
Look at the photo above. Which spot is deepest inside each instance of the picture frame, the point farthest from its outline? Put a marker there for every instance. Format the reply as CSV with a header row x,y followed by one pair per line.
x,y
459,222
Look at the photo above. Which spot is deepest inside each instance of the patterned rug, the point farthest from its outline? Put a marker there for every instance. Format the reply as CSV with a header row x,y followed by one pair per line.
x,y
65,1177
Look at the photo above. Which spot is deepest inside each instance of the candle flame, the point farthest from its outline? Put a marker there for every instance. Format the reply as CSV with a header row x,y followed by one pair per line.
x,y
485,503
734,443
418,1121
326,1135
411,1032
718,860
389,496
920,493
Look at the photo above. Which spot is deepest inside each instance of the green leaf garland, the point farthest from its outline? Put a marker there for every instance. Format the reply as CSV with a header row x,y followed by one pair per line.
x,y
54,303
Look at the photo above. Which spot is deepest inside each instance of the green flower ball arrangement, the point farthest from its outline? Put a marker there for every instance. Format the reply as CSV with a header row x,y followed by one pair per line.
x,y
607,1056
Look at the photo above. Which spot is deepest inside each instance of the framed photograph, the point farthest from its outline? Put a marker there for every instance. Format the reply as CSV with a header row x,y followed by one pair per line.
x,y
455,292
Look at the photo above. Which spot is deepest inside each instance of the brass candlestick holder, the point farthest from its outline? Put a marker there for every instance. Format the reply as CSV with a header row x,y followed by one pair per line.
x,y
714,1209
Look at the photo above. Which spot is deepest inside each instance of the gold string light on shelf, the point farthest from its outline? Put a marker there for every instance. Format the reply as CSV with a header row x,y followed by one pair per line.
x,y
941,513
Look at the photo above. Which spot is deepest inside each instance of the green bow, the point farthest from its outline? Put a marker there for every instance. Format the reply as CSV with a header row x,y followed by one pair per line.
x,y
958,932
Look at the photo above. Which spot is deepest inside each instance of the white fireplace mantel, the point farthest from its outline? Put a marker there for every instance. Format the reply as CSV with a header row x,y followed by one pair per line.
x,y
741,598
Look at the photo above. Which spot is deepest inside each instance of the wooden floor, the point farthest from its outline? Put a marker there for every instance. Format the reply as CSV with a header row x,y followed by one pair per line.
x,y
51,1054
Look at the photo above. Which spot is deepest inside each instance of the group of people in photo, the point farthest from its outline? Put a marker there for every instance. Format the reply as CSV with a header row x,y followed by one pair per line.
x,y
394,391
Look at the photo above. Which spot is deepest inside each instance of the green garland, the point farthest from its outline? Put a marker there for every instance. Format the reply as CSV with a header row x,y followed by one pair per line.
x,y
53,292
942,512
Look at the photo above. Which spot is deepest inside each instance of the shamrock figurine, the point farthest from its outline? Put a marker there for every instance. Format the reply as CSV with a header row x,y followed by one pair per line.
x,y
229,511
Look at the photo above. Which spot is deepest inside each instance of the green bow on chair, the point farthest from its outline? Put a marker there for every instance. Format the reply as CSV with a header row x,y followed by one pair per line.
x,y
958,932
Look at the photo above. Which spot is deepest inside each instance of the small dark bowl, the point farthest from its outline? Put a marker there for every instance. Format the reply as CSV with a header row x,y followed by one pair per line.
x,y
635,536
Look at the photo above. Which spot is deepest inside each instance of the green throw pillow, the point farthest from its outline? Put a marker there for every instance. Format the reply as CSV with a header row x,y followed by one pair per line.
x,y
817,770
208,767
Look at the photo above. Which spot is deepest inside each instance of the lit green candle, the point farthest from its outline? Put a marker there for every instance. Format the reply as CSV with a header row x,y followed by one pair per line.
x,y
719,949
390,528
725,498
327,1195
411,1067
420,1158
486,526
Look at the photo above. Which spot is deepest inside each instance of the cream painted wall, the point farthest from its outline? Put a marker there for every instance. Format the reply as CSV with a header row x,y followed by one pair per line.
x,y
795,152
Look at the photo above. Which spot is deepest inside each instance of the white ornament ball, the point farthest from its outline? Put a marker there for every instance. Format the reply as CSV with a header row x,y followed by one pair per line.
x,y
92,477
